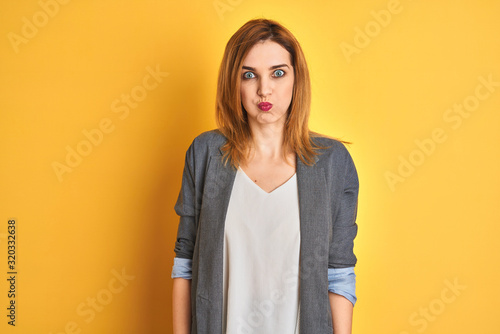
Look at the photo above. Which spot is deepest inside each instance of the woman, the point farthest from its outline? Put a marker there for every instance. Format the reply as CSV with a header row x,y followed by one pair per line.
x,y
267,207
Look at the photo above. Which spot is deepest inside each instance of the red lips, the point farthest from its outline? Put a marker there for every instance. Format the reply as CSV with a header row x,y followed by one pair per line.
x,y
265,106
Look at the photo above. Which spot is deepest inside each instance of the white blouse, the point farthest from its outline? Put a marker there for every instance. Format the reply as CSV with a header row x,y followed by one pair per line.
x,y
261,259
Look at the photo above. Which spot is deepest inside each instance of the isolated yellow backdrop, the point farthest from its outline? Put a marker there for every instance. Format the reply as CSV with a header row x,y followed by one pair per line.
x,y
100,99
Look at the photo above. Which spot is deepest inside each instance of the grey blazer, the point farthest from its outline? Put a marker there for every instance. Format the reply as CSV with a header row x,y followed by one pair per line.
x,y
328,197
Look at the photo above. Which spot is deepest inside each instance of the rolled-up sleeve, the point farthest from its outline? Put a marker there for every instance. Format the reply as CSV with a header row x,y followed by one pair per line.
x,y
185,207
344,228
182,268
342,281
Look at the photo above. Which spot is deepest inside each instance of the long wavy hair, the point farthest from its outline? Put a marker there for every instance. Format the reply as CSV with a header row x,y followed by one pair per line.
x,y
231,117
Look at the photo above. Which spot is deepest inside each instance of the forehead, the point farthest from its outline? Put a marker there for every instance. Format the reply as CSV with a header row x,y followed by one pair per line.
x,y
266,54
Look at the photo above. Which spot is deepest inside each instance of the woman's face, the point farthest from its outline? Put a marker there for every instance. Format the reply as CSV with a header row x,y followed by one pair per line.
x,y
267,80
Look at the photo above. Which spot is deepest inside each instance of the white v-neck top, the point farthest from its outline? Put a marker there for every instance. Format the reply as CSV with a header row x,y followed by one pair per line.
x,y
261,259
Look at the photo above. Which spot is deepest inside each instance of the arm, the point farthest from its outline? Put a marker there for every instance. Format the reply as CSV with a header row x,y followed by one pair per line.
x,y
342,259
181,295
185,207
181,305
342,295
342,310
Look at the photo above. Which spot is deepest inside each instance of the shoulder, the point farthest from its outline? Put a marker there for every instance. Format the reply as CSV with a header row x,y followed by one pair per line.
x,y
336,159
210,137
332,148
207,142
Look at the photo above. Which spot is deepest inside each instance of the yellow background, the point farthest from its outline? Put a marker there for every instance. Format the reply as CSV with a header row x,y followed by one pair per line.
x,y
435,227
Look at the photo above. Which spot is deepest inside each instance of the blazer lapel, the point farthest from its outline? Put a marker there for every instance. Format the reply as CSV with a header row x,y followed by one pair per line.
x,y
215,200
315,224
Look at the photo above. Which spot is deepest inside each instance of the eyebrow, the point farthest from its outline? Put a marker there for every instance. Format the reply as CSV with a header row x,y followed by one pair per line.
x,y
271,68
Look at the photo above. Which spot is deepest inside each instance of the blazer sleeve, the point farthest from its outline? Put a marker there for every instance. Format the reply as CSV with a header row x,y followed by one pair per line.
x,y
344,229
185,207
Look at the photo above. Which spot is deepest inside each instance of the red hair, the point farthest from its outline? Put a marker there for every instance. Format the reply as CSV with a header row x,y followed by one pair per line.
x,y
230,115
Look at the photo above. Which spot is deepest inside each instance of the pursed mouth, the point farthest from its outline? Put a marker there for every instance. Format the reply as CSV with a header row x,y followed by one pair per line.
x,y
265,106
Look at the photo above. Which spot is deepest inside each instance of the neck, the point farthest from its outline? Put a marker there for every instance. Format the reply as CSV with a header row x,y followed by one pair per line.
x,y
267,141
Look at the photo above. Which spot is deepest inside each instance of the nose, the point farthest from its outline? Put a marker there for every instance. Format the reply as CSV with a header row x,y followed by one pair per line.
x,y
265,87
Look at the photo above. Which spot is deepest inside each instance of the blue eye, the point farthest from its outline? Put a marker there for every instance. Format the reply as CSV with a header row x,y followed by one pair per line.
x,y
248,75
279,73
